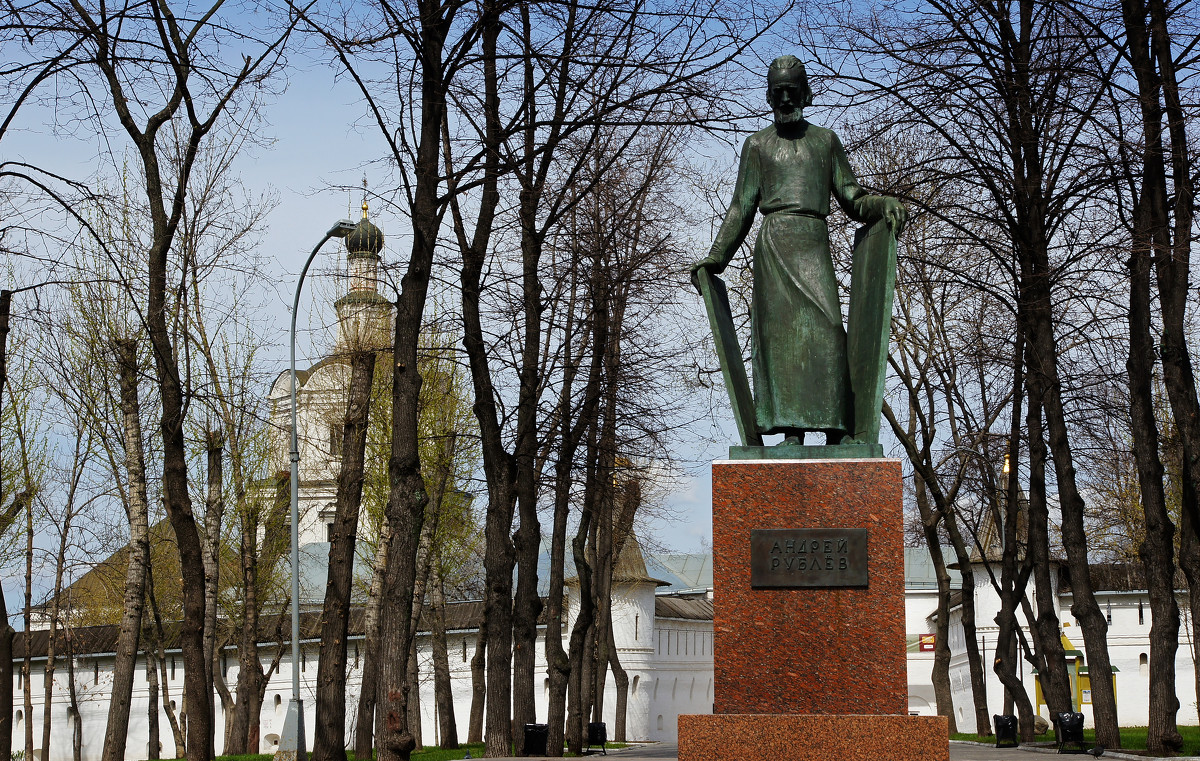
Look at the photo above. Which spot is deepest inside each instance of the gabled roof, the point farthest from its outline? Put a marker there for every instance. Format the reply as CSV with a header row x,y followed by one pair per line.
x,y
690,608
1115,577
274,628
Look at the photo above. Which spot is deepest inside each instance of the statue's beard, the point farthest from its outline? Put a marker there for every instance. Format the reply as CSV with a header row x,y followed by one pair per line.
x,y
789,117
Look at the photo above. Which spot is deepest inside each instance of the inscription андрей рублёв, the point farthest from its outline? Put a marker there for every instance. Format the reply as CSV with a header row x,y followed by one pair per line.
x,y
812,557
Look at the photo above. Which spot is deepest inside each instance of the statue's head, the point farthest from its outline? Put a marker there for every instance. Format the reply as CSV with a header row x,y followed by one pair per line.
x,y
787,89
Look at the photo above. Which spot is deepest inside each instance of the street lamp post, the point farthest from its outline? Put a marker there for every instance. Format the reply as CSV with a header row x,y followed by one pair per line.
x,y
292,746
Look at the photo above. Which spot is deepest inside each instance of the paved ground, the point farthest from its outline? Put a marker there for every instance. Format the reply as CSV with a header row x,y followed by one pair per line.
x,y
958,752
650,750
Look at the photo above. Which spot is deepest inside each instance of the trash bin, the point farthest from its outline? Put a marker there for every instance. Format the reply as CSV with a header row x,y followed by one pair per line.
x,y
1006,730
1070,732
598,735
536,736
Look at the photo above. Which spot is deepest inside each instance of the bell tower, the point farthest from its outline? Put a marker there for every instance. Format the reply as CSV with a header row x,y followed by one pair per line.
x,y
364,315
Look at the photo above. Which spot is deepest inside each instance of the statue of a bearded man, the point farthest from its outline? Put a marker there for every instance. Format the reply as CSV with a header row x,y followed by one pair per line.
x,y
788,171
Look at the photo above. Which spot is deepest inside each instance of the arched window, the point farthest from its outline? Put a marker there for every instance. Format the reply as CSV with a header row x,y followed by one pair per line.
x,y
633,690
1144,664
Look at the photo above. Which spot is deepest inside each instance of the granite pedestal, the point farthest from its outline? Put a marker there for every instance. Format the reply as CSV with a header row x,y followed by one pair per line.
x,y
816,671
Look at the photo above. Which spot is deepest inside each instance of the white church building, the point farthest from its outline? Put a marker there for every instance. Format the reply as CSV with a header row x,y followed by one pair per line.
x,y
663,625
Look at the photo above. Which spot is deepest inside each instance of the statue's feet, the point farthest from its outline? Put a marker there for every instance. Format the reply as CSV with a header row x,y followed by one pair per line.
x,y
847,439
791,441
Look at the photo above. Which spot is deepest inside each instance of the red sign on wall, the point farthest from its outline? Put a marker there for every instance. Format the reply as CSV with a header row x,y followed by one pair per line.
x,y
926,642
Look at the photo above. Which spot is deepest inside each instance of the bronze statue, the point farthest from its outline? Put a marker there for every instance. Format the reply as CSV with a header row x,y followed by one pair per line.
x,y
808,376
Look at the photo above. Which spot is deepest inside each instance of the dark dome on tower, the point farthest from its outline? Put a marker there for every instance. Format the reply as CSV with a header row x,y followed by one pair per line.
x,y
366,238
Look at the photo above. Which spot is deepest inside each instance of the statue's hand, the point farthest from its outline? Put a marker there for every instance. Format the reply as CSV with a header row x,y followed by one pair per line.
x,y
708,263
894,215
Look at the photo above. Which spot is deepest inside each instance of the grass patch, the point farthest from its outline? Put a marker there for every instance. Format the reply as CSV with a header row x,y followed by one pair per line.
x,y
441,754
1133,739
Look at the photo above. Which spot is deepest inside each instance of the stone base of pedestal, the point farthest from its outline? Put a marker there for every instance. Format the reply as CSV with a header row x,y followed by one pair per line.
x,y
827,650
791,737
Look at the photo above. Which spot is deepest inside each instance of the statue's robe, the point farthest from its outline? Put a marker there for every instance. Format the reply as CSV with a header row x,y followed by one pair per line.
x,y
798,342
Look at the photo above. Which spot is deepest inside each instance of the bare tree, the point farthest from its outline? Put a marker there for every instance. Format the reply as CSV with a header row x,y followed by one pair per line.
x,y
1161,242
330,741
117,729
153,66
1008,92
